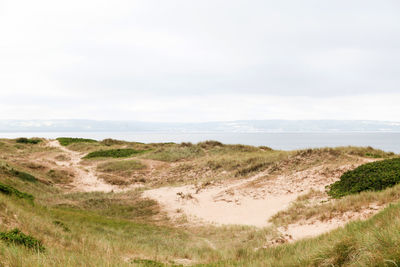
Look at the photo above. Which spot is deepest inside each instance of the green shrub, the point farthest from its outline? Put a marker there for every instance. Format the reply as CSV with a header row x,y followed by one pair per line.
x,y
114,153
6,169
9,190
23,176
65,141
372,176
23,140
17,237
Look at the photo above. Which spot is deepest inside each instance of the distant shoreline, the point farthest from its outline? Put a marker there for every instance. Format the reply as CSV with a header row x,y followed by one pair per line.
x,y
386,141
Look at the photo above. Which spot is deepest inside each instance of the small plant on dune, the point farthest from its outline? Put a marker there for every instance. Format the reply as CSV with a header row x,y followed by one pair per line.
x,y
110,142
15,236
5,168
372,176
65,141
24,140
61,225
114,153
60,176
210,144
9,190
23,176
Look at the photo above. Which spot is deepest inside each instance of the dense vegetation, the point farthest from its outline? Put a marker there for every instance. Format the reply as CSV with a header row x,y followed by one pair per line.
x,y
372,176
65,141
23,140
15,236
114,153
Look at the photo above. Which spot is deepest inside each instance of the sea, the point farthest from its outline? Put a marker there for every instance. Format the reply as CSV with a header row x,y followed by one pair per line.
x,y
282,141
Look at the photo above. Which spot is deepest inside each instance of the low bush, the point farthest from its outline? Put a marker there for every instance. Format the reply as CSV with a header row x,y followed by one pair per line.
x,y
23,176
65,141
372,176
6,169
9,190
110,142
210,144
24,140
114,153
15,236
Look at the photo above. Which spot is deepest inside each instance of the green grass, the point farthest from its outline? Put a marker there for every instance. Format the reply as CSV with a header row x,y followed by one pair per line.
x,y
9,190
114,153
15,236
175,153
372,176
124,205
121,165
152,263
24,176
65,141
23,140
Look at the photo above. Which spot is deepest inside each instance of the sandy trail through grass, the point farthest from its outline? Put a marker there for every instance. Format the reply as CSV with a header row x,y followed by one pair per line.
x,y
86,179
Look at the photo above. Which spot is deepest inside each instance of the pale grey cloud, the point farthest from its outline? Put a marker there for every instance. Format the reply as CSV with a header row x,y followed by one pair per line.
x,y
183,60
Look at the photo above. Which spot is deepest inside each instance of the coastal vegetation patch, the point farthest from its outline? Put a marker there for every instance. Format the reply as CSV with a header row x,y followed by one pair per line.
x,y
65,141
9,190
114,153
374,176
24,140
17,237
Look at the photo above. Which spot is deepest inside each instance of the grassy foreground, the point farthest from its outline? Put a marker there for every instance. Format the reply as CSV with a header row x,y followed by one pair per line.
x,y
124,229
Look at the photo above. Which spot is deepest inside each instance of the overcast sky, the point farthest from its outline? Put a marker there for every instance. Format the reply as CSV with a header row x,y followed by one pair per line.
x,y
204,60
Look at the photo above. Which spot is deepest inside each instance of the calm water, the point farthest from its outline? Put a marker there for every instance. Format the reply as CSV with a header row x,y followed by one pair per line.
x,y
285,141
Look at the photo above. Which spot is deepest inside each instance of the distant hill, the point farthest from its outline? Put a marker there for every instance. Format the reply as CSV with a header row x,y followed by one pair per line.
x,y
245,126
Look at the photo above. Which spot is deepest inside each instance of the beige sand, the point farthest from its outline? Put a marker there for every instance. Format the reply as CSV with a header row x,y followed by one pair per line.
x,y
252,201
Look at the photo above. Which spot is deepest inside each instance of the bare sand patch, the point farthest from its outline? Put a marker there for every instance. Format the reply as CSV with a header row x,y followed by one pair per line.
x,y
312,228
253,201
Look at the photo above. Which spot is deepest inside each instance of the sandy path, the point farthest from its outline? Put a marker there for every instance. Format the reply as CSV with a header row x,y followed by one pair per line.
x,y
86,179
